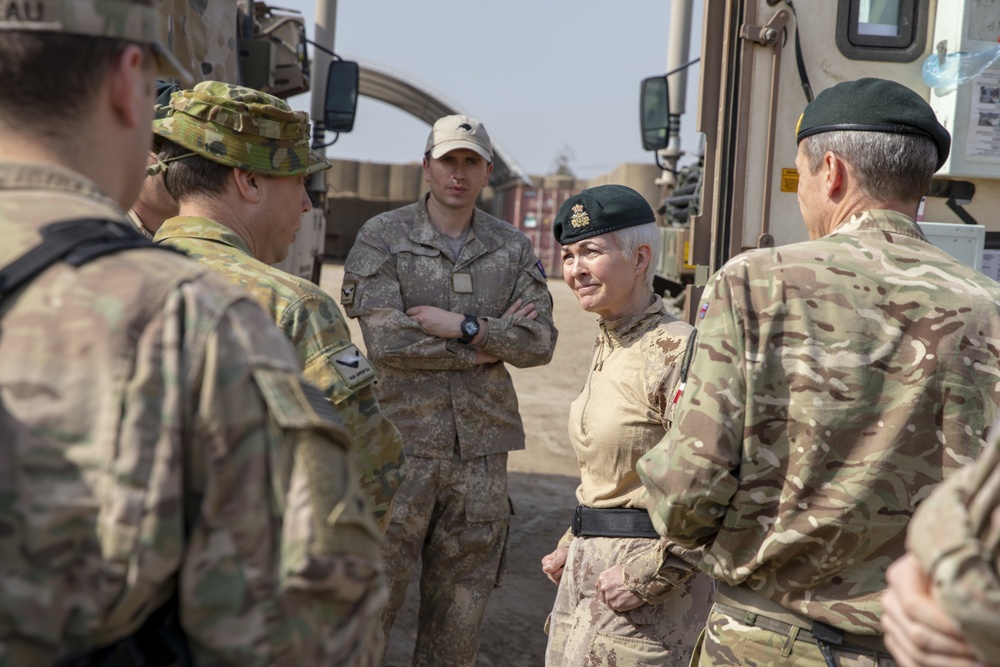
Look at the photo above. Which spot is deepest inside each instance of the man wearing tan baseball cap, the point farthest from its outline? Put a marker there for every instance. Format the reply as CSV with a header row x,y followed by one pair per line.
x,y
446,295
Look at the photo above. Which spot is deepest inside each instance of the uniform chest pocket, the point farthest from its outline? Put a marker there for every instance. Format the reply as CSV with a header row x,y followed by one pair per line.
x,y
421,273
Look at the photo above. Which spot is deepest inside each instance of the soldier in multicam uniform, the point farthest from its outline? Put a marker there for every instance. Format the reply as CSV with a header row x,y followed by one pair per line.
x,y
446,294
160,451
834,383
942,606
627,597
154,204
236,160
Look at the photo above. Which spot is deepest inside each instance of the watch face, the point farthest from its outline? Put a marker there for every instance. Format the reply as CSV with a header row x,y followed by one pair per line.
x,y
470,328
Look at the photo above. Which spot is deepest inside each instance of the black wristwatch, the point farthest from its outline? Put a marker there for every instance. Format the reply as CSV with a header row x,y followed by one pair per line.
x,y
469,328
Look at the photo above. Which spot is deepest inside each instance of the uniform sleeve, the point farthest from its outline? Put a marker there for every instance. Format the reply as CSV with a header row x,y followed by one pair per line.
x,y
282,564
342,373
691,474
517,340
955,534
371,294
654,574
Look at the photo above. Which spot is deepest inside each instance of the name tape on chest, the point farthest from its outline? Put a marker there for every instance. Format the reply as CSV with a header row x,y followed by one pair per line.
x,y
353,367
461,283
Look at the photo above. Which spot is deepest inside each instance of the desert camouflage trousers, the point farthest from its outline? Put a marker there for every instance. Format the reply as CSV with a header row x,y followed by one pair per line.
x,y
586,632
454,516
727,641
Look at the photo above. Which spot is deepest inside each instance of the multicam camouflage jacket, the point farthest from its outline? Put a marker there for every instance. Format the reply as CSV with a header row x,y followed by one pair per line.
x,y
155,435
835,382
309,317
431,388
956,536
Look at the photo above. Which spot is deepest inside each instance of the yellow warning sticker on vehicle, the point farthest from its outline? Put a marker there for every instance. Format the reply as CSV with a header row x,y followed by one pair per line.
x,y
789,180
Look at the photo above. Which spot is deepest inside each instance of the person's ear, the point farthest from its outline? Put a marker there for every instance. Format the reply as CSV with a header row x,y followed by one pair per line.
x,y
489,170
248,184
643,256
427,172
834,175
131,90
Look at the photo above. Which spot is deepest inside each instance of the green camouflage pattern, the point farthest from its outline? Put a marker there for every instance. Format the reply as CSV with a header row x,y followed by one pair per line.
x,y
202,36
626,404
156,435
956,536
429,387
310,319
727,641
835,383
130,20
454,516
585,632
241,127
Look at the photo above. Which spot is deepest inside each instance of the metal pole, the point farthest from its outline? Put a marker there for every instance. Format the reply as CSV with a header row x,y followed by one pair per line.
x,y
326,22
678,53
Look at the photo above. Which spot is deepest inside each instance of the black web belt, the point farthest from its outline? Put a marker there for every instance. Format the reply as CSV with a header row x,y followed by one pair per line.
x,y
616,522
751,608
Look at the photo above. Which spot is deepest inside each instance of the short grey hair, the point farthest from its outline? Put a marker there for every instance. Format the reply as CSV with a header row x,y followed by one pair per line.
x,y
889,167
629,239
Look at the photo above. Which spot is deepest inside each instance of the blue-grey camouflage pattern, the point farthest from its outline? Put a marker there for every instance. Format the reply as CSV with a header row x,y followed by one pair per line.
x,y
835,383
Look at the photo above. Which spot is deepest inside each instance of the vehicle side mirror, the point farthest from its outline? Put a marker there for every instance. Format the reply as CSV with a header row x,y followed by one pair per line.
x,y
654,114
341,96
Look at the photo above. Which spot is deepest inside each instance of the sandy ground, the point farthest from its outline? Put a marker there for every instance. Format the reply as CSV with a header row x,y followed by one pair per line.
x,y
543,479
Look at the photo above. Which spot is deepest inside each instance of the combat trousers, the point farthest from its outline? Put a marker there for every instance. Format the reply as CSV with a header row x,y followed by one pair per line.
x,y
586,632
454,516
728,641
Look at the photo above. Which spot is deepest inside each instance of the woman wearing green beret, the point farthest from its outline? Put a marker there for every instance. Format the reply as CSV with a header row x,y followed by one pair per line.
x,y
626,595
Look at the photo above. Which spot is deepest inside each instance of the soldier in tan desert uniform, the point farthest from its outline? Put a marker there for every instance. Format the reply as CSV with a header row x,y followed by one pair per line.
x,y
834,383
236,160
170,490
627,597
446,295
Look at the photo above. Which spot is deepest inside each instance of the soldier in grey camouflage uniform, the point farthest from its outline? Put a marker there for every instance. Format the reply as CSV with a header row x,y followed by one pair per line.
x,y
445,295
834,383
159,449
942,606
627,597
236,160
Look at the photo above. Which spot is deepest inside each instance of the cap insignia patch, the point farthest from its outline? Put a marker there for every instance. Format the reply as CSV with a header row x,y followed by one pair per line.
x,y
579,217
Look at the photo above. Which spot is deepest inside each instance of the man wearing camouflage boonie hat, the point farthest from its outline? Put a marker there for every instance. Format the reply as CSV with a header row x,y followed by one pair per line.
x,y
834,383
160,498
236,160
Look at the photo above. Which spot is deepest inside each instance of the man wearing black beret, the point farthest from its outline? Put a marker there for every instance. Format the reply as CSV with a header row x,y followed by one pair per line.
x,y
834,383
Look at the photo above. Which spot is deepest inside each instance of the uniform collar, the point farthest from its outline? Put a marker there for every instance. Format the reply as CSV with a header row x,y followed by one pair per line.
x,y
196,227
629,328
33,176
480,241
880,220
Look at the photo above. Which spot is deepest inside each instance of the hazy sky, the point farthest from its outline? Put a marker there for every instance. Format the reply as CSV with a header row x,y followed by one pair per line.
x,y
544,76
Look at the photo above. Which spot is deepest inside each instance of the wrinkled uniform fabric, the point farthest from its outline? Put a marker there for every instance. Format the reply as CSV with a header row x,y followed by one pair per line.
x,y
834,384
461,415
622,412
956,536
202,36
155,434
309,317
729,641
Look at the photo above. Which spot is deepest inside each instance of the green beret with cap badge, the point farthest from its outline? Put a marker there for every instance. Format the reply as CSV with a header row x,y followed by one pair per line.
x,y
240,127
873,105
596,211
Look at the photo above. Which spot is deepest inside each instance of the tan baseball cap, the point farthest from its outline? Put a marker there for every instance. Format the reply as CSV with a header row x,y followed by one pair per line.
x,y
130,20
454,132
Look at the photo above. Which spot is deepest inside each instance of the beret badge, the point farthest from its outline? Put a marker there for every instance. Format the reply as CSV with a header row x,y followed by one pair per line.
x,y
579,218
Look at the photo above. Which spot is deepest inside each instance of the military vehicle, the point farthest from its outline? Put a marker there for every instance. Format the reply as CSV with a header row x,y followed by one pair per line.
x,y
761,61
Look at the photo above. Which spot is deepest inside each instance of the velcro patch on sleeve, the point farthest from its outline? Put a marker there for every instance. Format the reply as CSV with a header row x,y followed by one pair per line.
x,y
353,367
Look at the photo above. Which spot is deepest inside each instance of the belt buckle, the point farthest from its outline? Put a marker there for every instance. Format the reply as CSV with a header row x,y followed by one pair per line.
x,y
577,520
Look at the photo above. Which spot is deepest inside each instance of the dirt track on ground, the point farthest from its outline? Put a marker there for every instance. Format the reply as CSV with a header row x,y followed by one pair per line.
x,y
543,479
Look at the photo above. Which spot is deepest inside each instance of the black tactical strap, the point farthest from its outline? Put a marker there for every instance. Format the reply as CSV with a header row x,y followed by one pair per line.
x,y
616,522
76,242
800,62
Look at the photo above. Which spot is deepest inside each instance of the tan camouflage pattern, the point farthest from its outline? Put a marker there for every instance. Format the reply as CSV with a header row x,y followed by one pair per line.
x,y
141,392
834,384
309,317
727,641
429,387
241,127
956,536
584,631
455,516
626,404
137,223
202,36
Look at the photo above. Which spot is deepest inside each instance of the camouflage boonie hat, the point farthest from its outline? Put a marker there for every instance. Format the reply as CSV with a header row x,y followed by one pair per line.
x,y
241,127
129,20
